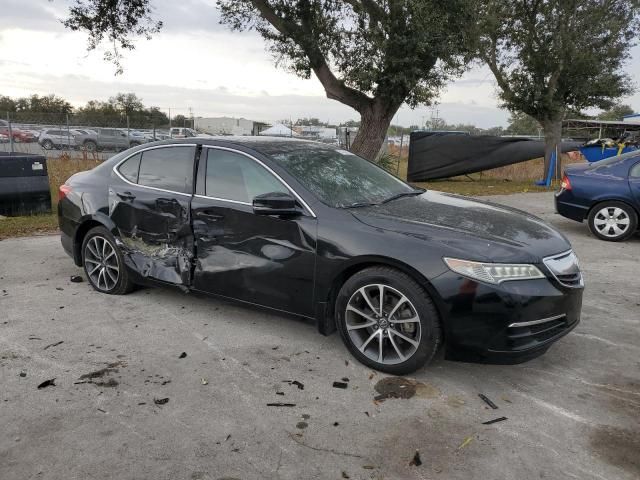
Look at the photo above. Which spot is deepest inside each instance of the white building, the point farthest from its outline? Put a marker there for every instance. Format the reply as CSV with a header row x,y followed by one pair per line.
x,y
227,126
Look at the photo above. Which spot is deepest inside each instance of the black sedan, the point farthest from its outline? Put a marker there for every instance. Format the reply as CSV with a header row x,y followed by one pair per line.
x,y
318,232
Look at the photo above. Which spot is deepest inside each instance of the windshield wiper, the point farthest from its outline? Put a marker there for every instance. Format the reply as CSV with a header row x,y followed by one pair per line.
x,y
417,191
359,205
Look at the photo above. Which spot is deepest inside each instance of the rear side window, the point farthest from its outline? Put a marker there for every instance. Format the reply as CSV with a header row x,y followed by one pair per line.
x,y
635,171
233,176
168,168
129,168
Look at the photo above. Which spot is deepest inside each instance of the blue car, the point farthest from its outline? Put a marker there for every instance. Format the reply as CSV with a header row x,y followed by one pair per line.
x,y
605,193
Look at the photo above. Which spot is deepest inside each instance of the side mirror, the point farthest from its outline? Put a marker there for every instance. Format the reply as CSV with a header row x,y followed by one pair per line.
x,y
275,203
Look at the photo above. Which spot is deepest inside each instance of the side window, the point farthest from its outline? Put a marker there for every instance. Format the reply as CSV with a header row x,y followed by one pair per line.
x,y
635,171
233,176
129,169
169,168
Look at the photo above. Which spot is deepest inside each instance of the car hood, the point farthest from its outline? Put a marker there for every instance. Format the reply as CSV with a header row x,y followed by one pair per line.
x,y
478,230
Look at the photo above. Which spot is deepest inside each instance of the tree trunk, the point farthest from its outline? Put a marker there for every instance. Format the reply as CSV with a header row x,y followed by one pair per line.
x,y
374,123
552,139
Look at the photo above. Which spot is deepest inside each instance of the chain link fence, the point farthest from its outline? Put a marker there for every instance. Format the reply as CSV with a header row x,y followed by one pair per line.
x,y
96,135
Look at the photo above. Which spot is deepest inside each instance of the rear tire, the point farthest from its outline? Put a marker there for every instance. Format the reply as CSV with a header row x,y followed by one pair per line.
x,y
90,146
104,264
613,221
398,338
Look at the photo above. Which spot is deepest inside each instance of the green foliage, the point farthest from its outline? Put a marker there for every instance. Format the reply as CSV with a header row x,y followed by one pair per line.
x,y
116,22
401,50
616,112
522,124
389,162
551,55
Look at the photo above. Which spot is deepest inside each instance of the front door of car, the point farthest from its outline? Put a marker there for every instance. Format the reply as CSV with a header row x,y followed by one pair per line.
x,y
149,202
262,259
634,182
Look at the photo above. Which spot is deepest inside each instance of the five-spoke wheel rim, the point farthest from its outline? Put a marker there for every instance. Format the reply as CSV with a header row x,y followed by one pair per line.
x,y
611,221
101,263
383,324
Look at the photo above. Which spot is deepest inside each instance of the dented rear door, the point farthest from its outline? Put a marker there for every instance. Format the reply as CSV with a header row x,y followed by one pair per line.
x,y
150,204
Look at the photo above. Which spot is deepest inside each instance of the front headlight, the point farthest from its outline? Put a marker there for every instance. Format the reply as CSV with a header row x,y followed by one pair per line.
x,y
493,272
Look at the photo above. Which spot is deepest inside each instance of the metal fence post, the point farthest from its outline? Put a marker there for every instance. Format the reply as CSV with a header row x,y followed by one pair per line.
x,y
68,132
10,133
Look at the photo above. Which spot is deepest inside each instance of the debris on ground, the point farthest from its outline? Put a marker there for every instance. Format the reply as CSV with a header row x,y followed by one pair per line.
x,y
296,383
23,374
76,279
495,420
340,385
92,376
345,379
204,381
400,387
306,416
280,404
416,461
346,363
59,288
48,383
466,442
302,425
345,474
160,401
486,400
101,410
183,355
279,393
368,467
54,344
335,424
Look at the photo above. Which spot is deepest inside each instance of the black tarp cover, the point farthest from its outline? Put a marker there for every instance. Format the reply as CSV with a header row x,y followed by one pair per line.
x,y
434,155
24,184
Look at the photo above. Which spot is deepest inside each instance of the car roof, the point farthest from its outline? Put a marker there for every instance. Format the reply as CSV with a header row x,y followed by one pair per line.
x,y
261,144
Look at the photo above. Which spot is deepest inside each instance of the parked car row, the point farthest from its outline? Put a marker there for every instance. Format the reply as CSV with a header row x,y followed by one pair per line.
x,y
90,139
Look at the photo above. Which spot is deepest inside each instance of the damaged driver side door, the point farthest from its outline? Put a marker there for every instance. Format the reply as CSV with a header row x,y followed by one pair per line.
x,y
150,202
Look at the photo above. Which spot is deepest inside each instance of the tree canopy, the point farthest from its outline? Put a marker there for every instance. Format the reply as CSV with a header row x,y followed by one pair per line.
x,y
372,55
549,56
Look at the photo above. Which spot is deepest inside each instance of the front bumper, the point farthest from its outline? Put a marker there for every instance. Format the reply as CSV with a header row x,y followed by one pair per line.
x,y
507,323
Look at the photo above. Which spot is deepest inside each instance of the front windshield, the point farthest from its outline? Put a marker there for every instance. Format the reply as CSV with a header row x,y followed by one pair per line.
x,y
338,177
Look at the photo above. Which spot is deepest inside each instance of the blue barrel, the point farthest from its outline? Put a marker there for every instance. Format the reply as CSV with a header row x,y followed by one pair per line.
x,y
595,153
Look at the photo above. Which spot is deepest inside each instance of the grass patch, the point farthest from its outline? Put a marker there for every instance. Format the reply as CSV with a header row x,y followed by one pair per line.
x,y
481,187
24,226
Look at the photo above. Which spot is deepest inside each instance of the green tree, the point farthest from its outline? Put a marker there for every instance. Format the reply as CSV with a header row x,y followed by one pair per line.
x,y
523,124
372,55
549,56
126,103
7,104
616,112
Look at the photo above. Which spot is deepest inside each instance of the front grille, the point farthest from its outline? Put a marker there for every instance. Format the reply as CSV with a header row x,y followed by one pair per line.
x,y
527,334
565,268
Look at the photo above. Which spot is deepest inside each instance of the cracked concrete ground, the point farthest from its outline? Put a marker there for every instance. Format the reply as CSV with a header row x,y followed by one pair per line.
x,y
572,413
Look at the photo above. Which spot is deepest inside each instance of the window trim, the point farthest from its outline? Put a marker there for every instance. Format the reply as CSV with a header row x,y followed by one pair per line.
x,y
117,165
635,165
266,167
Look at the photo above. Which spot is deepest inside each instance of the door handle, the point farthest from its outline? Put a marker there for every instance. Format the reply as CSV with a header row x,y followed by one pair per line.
x,y
209,214
126,195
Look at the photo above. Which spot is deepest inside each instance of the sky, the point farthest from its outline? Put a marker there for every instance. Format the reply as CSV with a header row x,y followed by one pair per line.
x,y
197,65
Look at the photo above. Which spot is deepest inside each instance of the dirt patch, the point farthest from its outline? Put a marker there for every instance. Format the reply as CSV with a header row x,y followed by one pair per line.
x,y
400,387
619,447
97,377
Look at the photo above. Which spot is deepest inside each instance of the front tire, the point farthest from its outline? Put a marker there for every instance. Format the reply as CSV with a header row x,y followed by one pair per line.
x,y
613,221
104,264
387,320
47,145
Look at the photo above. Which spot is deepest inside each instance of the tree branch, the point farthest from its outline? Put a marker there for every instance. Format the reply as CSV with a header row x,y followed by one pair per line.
x,y
334,87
